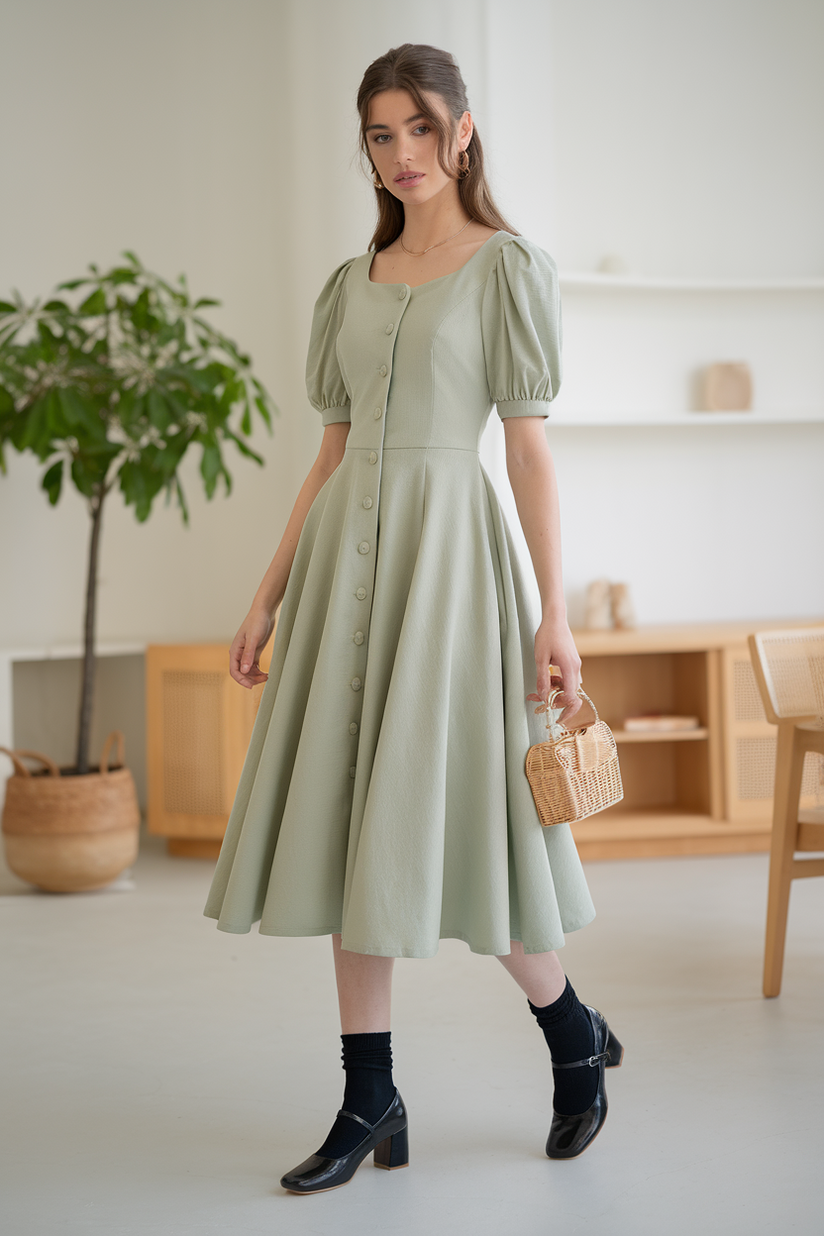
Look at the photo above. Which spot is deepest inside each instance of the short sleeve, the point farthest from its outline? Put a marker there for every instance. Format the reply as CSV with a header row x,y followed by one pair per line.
x,y
324,381
521,325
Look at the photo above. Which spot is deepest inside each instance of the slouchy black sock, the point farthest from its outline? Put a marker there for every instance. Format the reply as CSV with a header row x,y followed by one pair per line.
x,y
367,1060
568,1032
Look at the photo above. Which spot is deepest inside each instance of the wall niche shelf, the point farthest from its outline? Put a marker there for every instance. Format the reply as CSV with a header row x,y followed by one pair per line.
x,y
595,280
701,420
653,336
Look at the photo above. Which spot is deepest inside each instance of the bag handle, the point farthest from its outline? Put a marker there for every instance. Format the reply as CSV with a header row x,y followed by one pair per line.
x,y
116,736
570,732
20,769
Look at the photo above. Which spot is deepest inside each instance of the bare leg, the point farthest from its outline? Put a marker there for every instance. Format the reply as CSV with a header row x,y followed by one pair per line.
x,y
364,990
539,975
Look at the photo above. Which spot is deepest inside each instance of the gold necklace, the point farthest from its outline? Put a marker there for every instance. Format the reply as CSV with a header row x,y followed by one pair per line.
x,y
440,242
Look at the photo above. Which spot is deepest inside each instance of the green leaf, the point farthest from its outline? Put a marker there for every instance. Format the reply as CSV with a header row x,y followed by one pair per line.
x,y
181,501
53,481
206,300
81,414
211,466
5,307
242,447
260,404
34,431
71,284
140,485
85,478
127,253
160,415
95,304
122,274
56,306
246,420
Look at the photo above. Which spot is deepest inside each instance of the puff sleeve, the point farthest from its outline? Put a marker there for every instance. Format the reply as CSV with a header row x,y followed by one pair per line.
x,y
325,384
521,325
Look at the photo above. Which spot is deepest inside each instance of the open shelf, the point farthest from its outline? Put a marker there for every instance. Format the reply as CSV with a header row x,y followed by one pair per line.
x,y
702,791
597,280
699,420
624,736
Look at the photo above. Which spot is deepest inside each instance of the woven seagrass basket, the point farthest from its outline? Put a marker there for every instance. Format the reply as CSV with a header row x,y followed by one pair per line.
x,y
575,774
68,833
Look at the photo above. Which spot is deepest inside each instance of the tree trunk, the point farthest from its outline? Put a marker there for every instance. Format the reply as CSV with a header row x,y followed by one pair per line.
x,y
87,691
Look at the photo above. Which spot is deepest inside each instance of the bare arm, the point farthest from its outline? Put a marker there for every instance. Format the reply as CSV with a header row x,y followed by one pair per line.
x,y
532,476
259,623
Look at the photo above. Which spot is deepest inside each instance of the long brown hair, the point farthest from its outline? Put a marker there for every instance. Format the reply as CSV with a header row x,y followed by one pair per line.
x,y
421,70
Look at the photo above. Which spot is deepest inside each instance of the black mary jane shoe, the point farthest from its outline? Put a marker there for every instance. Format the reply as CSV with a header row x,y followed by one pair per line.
x,y
387,1137
570,1135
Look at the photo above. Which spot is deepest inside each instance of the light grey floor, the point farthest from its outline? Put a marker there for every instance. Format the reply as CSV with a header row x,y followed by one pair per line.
x,y
160,1075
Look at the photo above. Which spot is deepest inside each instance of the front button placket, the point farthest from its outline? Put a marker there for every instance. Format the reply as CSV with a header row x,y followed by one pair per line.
x,y
369,408
369,418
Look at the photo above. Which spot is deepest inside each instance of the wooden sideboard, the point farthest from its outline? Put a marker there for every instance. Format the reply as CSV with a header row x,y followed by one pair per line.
x,y
199,722
704,791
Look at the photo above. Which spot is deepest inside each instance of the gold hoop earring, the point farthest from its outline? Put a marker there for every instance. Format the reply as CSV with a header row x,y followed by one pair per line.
x,y
463,165
377,183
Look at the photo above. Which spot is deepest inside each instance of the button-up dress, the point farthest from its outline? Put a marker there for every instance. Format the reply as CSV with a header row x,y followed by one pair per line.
x,y
384,794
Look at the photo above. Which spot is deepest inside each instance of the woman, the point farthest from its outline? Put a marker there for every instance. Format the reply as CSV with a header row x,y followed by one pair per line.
x,y
383,800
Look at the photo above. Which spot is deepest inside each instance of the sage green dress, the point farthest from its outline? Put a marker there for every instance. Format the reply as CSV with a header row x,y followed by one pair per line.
x,y
384,793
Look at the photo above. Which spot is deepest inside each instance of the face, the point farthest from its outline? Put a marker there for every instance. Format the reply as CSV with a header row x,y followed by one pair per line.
x,y
404,145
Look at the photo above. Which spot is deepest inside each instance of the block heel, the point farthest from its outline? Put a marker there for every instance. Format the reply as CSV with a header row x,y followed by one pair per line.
x,y
387,1137
394,1152
615,1052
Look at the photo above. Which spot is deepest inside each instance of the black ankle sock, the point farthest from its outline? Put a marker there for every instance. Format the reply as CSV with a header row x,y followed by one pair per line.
x,y
367,1060
568,1032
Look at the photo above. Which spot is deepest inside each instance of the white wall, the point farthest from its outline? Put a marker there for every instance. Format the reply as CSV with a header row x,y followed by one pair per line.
x,y
218,138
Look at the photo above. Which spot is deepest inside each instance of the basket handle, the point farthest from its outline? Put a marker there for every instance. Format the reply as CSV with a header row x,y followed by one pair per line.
x,y
116,736
20,769
574,729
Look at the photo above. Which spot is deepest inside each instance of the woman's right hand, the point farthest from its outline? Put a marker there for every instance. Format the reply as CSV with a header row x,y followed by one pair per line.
x,y
248,644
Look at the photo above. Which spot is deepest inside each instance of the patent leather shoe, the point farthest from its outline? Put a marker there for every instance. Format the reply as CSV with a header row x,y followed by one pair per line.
x,y
569,1136
387,1138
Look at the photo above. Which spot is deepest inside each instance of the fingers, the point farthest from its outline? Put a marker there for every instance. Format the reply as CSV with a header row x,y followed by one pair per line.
x,y
243,660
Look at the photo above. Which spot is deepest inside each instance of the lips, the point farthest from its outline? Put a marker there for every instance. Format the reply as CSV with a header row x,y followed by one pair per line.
x,y
408,178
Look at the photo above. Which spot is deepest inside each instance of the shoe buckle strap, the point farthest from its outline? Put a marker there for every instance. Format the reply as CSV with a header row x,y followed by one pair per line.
x,y
360,1119
592,1061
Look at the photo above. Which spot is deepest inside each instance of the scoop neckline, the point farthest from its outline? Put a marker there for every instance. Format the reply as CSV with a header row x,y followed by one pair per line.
x,y
414,286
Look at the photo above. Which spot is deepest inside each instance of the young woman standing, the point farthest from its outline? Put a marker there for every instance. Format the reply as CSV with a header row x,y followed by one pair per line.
x,y
383,800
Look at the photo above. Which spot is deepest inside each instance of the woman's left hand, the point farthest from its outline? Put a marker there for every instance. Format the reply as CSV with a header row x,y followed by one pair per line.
x,y
554,646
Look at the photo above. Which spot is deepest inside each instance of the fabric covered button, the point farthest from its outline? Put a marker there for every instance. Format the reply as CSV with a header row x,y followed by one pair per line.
x,y
367,503
402,294
352,771
378,413
353,727
356,684
363,548
358,637
372,457
383,371
361,594
390,328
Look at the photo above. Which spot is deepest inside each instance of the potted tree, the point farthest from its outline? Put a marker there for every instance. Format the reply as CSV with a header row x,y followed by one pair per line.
x,y
109,388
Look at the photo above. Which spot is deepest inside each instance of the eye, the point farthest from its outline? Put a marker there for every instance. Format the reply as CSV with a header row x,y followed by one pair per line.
x,y
378,139
422,128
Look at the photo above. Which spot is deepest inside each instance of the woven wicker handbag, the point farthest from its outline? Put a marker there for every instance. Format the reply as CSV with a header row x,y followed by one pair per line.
x,y
575,773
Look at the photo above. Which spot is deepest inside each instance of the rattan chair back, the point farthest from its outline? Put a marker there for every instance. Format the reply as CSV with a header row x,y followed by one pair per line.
x,y
789,669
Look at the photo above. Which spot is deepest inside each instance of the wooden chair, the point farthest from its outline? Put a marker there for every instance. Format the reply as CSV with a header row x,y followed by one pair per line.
x,y
789,670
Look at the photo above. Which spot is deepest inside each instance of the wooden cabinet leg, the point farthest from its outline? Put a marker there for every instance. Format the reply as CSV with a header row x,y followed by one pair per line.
x,y
788,773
